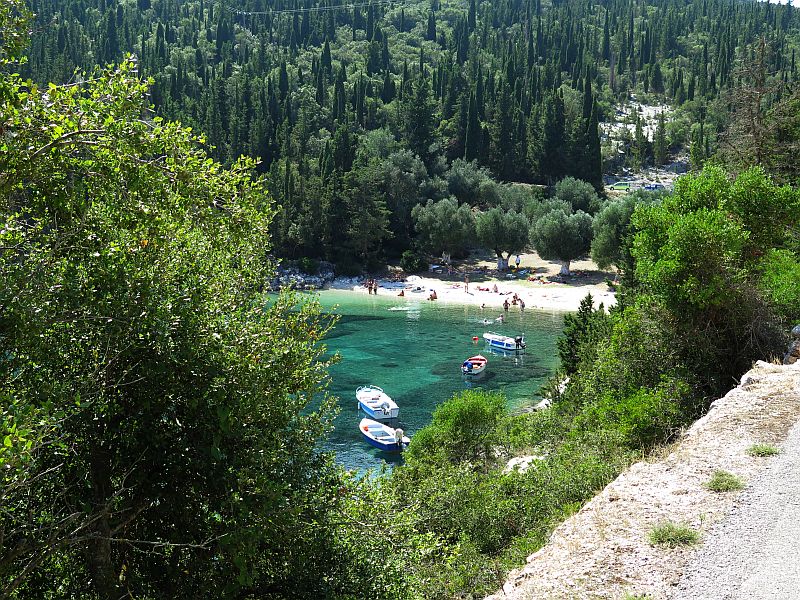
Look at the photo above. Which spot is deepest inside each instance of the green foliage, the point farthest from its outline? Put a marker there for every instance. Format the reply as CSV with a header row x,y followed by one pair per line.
x,y
763,450
582,332
413,262
502,231
308,265
690,259
560,236
644,419
150,401
302,95
580,195
611,229
444,226
463,429
673,535
724,481
780,283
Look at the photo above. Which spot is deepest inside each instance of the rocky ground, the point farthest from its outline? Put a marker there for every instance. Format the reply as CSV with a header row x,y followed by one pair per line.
x,y
603,551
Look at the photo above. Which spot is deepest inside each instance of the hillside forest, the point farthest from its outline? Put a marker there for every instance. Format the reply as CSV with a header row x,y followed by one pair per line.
x,y
357,114
162,418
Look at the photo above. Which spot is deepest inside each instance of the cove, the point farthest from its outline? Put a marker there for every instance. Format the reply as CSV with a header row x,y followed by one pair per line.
x,y
413,349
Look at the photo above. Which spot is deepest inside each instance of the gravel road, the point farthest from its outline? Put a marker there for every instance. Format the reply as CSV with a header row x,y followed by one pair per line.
x,y
754,554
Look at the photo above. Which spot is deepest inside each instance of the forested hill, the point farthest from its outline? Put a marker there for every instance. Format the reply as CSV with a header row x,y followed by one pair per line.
x,y
363,108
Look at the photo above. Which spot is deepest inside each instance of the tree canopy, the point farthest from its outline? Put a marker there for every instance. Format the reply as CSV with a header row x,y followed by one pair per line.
x,y
502,231
562,236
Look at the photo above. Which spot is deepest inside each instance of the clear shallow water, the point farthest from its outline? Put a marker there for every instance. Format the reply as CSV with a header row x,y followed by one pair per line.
x,y
414,350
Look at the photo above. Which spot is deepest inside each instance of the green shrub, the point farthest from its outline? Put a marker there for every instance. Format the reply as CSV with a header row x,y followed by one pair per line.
x,y
672,535
780,282
644,418
463,429
309,266
723,481
762,450
413,262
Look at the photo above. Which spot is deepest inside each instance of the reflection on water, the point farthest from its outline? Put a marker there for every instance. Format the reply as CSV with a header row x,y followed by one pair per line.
x,y
414,352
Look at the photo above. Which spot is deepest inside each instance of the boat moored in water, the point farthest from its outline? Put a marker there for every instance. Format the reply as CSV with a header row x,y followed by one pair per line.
x,y
382,436
376,403
474,365
504,342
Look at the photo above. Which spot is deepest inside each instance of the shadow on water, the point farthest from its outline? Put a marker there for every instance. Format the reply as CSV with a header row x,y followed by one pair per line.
x,y
415,355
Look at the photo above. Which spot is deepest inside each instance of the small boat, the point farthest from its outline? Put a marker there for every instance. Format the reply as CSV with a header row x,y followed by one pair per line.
x,y
382,436
376,403
474,365
504,342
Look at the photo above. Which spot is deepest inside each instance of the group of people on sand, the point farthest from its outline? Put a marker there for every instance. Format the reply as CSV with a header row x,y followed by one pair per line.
x,y
372,286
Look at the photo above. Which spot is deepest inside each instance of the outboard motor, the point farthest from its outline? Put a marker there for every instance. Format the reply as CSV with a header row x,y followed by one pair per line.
x,y
519,342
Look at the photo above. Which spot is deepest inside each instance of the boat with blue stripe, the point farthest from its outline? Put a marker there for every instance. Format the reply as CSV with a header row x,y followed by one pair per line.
x,y
506,343
383,437
376,403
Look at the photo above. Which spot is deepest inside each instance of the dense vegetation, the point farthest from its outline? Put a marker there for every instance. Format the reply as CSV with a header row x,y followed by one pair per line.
x,y
155,412
359,114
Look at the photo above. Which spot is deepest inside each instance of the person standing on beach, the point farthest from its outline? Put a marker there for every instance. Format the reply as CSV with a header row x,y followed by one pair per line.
x,y
466,283
517,261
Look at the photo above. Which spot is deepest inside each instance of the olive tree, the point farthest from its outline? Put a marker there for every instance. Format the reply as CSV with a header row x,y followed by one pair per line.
x,y
444,226
558,235
505,232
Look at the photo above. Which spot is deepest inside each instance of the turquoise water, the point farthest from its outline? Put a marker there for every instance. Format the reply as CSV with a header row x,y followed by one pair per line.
x,y
414,350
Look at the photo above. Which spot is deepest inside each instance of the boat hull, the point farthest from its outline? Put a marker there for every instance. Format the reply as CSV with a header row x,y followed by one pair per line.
x,y
379,414
477,366
505,343
386,447
382,436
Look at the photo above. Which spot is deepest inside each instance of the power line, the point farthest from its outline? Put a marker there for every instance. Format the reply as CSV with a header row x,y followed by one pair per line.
x,y
290,11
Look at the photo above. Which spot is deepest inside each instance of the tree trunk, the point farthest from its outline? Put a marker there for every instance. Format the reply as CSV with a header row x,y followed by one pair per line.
x,y
99,558
564,268
101,567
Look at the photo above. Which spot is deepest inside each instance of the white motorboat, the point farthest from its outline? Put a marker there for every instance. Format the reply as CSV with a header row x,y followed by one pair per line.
x,y
376,403
504,342
382,436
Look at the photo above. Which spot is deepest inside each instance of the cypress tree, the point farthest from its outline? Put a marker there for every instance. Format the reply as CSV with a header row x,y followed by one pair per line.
x,y
430,33
593,162
473,137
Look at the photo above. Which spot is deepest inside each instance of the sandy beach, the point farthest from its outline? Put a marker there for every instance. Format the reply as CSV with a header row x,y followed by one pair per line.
x,y
538,285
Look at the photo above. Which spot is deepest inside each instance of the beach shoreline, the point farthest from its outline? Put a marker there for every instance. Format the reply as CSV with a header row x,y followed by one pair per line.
x,y
539,288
